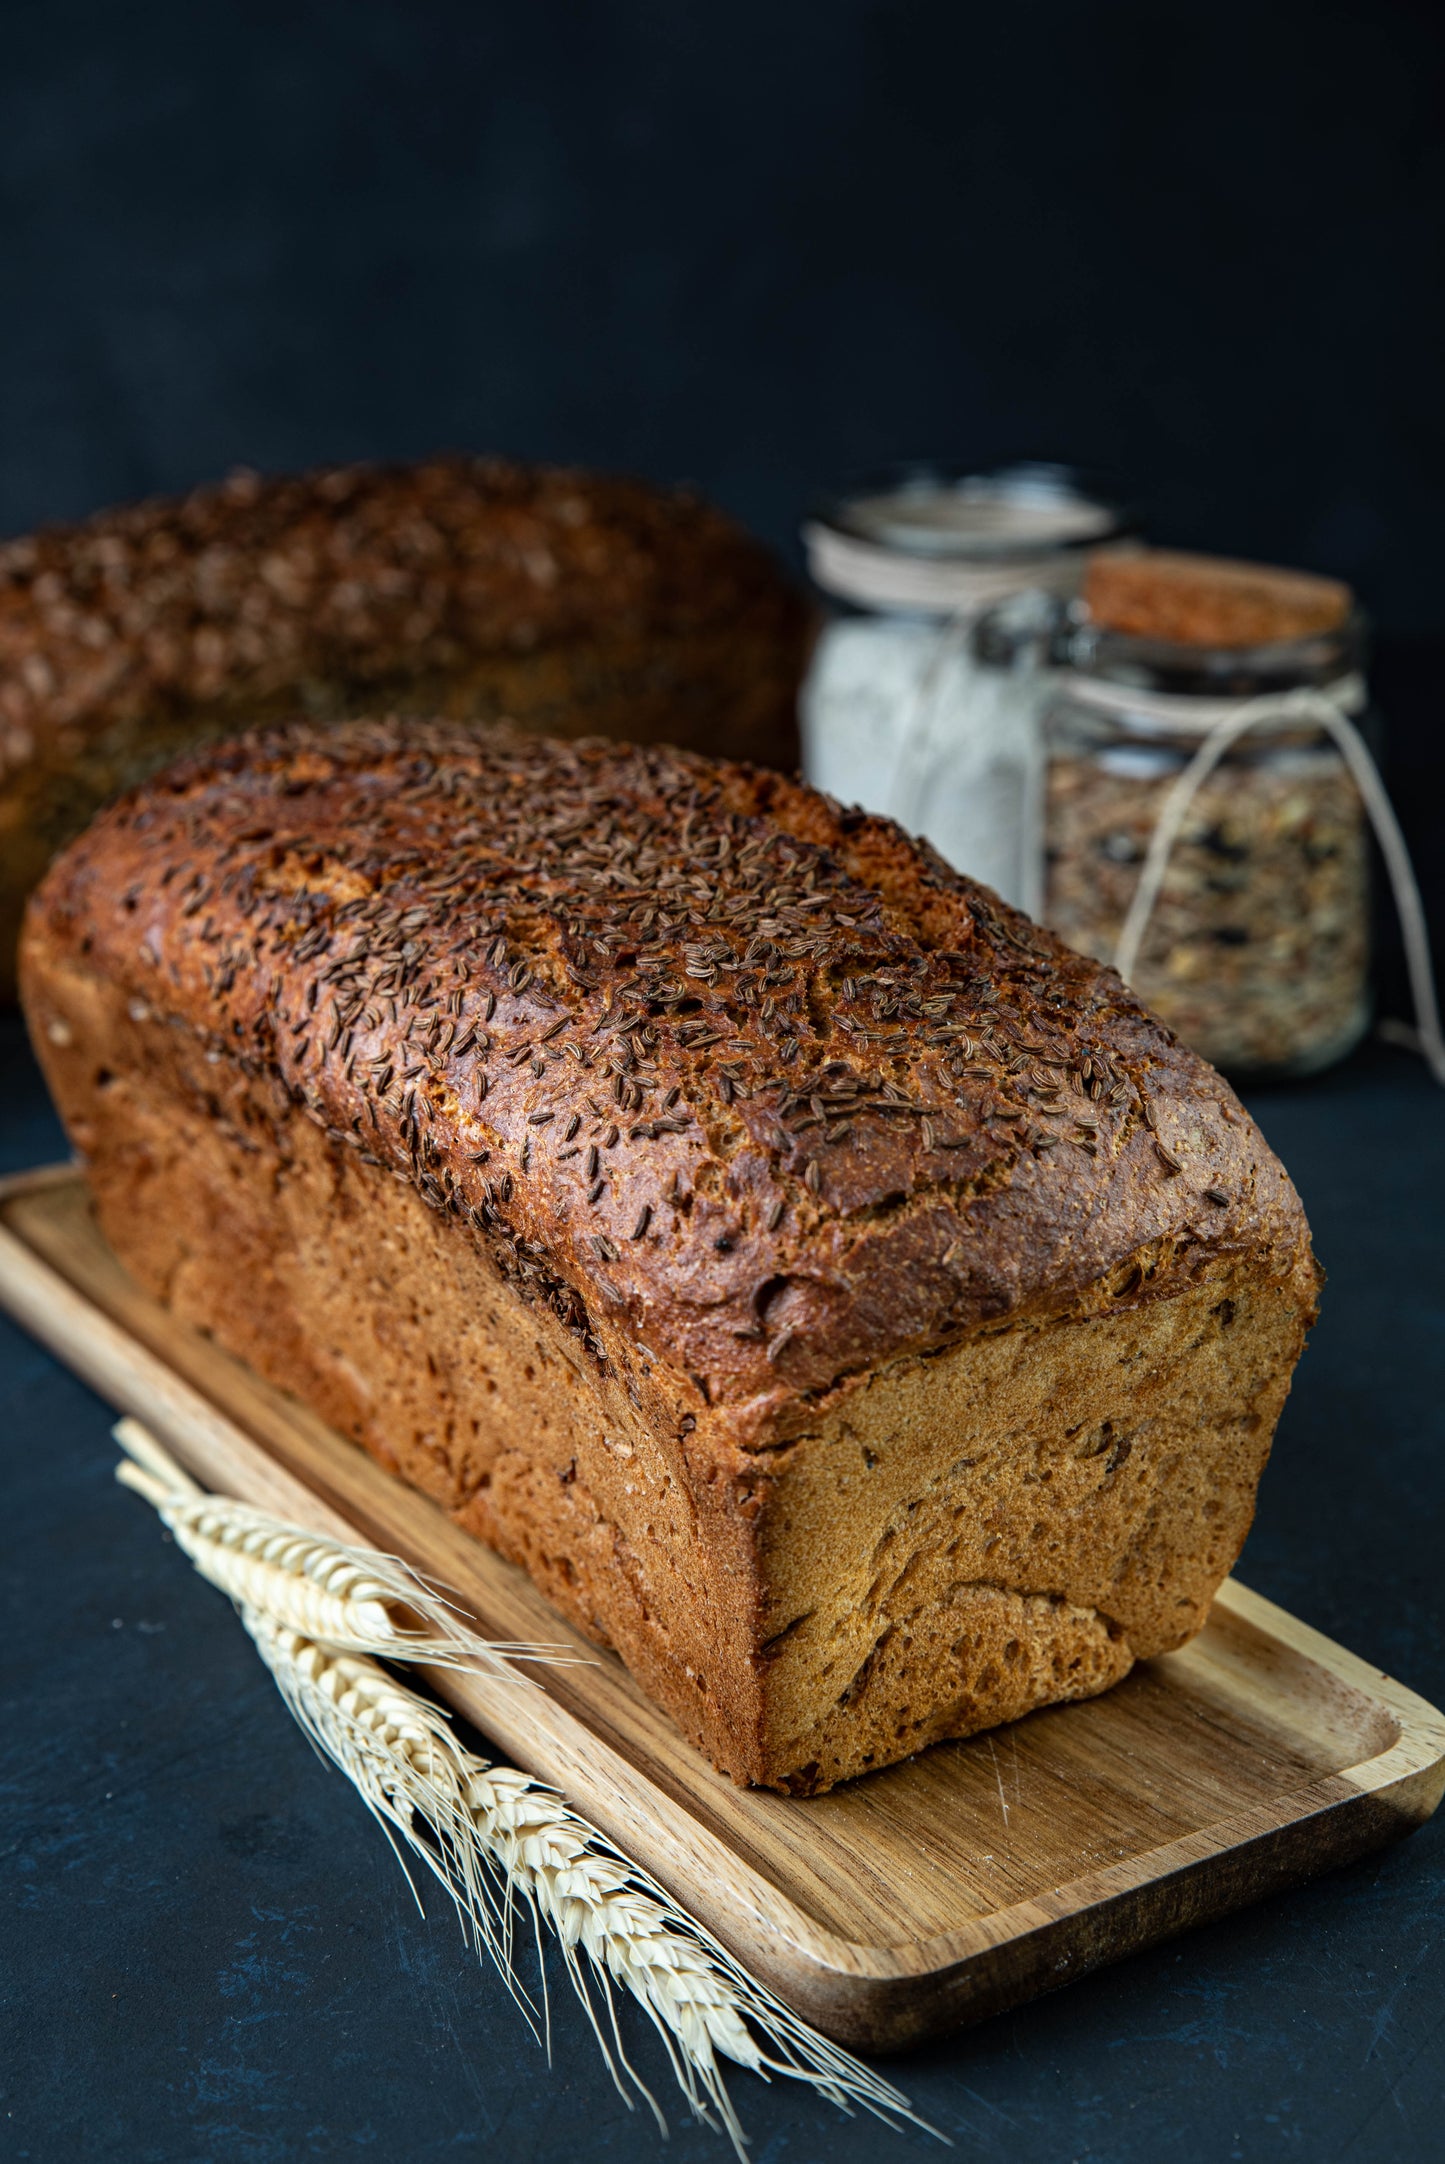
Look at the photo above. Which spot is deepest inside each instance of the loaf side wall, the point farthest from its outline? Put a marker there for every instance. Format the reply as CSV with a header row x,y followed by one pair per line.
x,y
950,1542
335,1281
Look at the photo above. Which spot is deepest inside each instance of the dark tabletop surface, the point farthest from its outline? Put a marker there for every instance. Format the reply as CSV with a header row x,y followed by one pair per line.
x,y
208,1952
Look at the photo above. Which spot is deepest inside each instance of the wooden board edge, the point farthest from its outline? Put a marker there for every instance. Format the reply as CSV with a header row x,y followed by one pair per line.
x,y
36,1177
1417,1757
888,2014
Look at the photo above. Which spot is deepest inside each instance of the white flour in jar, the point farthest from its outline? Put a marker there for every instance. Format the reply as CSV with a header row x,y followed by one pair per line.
x,y
898,716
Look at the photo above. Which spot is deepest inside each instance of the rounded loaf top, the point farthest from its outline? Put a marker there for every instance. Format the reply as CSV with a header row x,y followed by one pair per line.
x,y
358,572
750,1083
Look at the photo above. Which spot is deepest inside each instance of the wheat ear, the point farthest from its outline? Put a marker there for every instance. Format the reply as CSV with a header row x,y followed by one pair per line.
x,y
498,1841
355,1599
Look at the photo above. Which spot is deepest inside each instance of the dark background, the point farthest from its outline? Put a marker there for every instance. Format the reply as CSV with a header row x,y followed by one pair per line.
x,y
754,247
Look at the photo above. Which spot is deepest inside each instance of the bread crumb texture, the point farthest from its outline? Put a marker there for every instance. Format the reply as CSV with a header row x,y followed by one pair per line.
x,y
843,1299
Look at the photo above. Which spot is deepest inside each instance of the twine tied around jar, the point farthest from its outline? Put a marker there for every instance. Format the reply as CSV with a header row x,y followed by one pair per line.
x,y
926,737
1233,719
873,575
915,752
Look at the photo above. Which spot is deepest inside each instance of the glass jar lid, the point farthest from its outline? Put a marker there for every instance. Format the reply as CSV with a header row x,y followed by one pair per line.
x,y
1207,627
948,540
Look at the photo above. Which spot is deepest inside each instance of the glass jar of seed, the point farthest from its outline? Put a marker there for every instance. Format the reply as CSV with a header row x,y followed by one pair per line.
x,y
1254,942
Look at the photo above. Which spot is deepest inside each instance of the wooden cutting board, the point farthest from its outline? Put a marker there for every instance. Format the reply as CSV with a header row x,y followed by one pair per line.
x,y
935,1892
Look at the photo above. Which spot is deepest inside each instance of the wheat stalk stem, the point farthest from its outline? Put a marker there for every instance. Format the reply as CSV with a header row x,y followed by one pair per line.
x,y
502,1844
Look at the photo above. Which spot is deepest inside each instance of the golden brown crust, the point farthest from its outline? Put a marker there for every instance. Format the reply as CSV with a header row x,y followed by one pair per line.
x,y
760,1082
1209,600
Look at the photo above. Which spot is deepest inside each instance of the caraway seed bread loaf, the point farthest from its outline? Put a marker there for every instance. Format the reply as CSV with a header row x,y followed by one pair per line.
x,y
842,1298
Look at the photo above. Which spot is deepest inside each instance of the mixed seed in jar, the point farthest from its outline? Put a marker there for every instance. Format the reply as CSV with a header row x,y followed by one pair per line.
x,y
1256,950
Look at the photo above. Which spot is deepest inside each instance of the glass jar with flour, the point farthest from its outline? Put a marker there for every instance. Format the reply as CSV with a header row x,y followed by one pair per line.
x,y
898,714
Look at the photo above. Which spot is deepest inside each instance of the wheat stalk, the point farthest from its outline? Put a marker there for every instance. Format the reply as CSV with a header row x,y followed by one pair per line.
x,y
354,1599
500,1843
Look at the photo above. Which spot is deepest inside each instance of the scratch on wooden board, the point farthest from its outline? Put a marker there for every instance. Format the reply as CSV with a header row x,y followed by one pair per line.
x,y
998,1776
